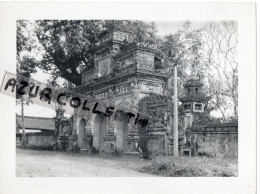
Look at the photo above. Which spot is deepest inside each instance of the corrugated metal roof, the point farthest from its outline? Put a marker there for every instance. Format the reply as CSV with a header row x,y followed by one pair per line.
x,y
39,123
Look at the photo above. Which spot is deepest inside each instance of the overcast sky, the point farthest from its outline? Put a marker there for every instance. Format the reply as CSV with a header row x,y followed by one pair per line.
x,y
168,27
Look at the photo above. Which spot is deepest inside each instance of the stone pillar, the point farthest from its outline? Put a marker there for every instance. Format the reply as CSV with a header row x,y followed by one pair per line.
x,y
188,120
185,149
73,138
88,137
62,140
110,138
132,141
73,142
168,141
170,145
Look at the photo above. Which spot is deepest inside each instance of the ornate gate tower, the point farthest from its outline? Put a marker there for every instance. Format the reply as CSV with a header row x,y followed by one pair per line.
x,y
122,74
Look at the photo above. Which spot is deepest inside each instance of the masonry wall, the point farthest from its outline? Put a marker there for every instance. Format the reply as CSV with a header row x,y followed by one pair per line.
x,y
215,141
38,140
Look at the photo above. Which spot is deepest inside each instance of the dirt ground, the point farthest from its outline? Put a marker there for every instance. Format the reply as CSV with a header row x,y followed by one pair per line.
x,y
39,163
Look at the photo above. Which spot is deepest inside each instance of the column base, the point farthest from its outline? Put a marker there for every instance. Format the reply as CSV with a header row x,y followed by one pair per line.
x,y
62,142
110,145
132,144
69,149
86,148
85,151
132,154
73,143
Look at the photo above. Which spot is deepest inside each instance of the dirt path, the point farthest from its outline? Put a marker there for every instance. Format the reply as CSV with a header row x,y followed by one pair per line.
x,y
34,163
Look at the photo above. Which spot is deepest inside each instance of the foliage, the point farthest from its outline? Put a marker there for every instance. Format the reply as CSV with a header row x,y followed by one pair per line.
x,y
204,118
26,63
191,167
26,49
183,49
67,44
208,53
141,32
219,58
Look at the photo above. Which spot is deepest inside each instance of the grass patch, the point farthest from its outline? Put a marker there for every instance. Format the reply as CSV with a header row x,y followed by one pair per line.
x,y
192,167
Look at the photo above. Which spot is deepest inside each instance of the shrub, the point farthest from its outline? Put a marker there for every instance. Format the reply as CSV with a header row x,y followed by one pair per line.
x,y
192,166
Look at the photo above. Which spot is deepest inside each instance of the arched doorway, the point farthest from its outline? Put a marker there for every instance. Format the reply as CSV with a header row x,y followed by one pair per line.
x,y
143,143
99,131
96,131
122,132
81,131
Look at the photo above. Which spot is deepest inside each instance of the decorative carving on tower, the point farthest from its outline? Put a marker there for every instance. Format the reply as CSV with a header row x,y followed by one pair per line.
x,y
135,85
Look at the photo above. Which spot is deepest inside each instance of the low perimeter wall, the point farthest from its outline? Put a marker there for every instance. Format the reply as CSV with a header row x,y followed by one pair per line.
x,y
41,140
215,140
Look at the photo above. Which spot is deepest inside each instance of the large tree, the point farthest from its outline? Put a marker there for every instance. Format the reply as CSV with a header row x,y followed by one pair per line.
x,y
26,48
220,41
65,44
183,49
210,53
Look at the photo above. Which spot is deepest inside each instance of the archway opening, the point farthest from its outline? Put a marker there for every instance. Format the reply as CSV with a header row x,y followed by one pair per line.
x,y
122,132
143,142
81,131
99,132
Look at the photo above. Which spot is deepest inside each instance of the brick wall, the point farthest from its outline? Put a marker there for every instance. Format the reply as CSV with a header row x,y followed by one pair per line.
x,y
38,140
215,140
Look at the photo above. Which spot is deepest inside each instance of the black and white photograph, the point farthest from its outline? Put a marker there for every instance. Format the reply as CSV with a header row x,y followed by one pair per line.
x,y
169,91
128,97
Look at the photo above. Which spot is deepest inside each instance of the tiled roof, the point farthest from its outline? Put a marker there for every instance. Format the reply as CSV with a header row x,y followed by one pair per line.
x,y
40,123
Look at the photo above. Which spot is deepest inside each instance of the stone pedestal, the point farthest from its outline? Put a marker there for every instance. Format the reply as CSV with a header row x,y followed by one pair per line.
x,y
132,145
88,136
171,145
109,145
73,142
110,138
185,150
87,139
62,142
132,141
